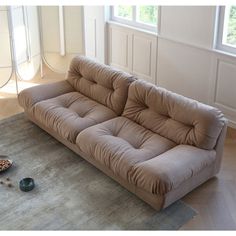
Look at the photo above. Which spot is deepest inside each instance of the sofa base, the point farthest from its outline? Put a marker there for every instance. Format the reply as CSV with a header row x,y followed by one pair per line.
x,y
158,202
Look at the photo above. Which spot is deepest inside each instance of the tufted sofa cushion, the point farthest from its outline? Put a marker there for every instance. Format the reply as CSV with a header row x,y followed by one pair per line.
x,y
120,144
99,82
180,119
168,171
70,113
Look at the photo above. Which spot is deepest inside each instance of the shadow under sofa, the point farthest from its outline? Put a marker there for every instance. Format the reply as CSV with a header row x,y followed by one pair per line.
x,y
157,144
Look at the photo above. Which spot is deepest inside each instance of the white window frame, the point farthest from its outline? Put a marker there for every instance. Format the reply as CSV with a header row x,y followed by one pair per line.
x,y
133,22
221,34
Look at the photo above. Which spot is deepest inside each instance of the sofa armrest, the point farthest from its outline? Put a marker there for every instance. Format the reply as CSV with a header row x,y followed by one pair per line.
x,y
30,96
169,170
220,146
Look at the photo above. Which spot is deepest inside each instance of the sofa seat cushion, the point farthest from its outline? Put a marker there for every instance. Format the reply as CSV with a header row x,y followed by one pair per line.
x,y
169,170
120,143
70,113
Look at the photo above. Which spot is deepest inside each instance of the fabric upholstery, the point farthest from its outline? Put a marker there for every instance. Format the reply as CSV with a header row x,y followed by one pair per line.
x,y
70,113
180,119
101,83
30,96
220,147
169,170
162,146
120,143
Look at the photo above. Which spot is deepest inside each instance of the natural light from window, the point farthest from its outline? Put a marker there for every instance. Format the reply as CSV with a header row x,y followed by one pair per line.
x,y
226,40
147,15
229,33
124,12
138,16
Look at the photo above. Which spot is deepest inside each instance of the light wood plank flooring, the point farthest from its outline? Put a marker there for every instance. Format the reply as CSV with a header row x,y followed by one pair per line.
x,y
8,96
215,200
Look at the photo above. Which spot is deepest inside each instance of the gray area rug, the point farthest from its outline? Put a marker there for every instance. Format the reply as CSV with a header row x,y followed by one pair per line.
x,y
70,194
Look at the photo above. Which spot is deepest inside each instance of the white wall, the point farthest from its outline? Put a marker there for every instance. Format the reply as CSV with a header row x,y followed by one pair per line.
x,y
183,69
94,32
185,61
133,51
188,24
223,86
183,64
73,35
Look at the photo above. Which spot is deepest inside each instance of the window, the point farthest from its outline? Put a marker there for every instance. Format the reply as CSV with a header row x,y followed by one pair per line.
x,y
227,29
138,16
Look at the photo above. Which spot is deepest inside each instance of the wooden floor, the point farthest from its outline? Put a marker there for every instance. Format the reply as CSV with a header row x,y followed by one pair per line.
x,y
215,200
8,94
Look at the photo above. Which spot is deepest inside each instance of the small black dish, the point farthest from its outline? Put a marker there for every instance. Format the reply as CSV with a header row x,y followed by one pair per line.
x,y
26,184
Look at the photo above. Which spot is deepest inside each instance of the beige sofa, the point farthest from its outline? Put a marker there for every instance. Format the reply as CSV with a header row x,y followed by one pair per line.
x,y
157,144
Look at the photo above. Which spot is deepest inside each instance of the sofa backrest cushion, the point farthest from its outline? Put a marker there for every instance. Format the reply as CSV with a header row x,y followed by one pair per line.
x,y
180,119
99,82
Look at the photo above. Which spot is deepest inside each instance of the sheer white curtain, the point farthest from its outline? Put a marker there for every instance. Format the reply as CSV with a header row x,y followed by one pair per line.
x,y
5,48
31,34
19,43
26,40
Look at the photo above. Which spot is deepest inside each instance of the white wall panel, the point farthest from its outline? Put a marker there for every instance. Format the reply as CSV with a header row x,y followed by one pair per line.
x,y
119,49
183,69
144,56
3,21
73,29
189,24
133,51
50,29
94,32
91,37
223,83
226,84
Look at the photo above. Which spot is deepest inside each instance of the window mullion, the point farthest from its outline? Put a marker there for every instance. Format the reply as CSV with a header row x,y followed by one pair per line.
x,y
112,10
134,13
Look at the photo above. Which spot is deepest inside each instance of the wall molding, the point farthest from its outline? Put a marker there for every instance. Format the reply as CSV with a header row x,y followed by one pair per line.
x,y
227,109
159,36
215,55
136,55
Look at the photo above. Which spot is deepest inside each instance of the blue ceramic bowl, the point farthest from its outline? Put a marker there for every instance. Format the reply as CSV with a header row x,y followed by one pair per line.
x,y
26,184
